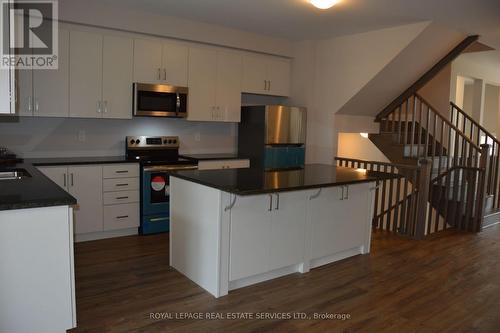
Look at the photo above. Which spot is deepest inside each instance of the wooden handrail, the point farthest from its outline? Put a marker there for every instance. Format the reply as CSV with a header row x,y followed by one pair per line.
x,y
449,123
429,75
453,168
465,115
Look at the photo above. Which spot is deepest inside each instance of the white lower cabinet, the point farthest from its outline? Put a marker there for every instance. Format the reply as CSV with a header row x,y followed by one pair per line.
x,y
106,200
272,231
337,217
267,233
85,184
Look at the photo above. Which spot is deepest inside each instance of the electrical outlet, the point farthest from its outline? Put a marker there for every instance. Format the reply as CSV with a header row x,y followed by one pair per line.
x,y
82,136
197,137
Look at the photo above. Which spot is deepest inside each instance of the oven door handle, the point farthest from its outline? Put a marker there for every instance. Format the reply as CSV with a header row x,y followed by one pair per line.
x,y
170,168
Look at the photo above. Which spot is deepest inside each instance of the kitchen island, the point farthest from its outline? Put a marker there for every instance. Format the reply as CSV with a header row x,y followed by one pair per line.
x,y
234,228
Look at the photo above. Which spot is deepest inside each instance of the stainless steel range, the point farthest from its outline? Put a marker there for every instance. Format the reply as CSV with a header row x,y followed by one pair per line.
x,y
159,157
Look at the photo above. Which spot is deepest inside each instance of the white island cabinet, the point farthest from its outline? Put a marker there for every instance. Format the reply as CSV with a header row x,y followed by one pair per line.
x,y
230,241
37,283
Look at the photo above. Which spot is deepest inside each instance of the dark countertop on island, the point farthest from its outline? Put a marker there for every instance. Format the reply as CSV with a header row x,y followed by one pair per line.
x,y
31,192
212,157
257,181
55,161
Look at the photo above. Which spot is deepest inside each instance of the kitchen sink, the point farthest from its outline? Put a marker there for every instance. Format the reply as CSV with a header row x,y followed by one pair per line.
x,y
13,174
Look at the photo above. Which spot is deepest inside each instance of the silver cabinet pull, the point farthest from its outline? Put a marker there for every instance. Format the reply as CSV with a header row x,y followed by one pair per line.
x,y
277,201
231,205
164,74
314,196
270,202
105,106
37,105
29,104
121,198
159,73
118,185
121,171
346,193
269,85
99,106
64,180
72,180
265,84
342,195
122,217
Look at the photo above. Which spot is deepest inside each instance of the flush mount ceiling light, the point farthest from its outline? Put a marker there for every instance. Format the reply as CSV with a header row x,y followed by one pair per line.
x,y
324,4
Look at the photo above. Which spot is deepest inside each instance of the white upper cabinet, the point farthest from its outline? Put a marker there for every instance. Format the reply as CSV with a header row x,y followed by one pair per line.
x,y
85,80
266,75
228,95
214,85
51,87
201,83
175,64
117,64
278,73
7,104
147,61
158,62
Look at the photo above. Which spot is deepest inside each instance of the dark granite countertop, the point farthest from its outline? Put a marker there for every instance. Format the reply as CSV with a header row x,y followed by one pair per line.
x,y
257,181
54,161
211,157
32,192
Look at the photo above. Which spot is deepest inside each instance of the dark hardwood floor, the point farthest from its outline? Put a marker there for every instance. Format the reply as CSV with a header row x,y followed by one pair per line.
x,y
446,284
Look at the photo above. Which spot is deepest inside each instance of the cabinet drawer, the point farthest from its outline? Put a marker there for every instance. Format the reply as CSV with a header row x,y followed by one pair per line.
x,y
120,171
114,198
121,216
120,184
223,164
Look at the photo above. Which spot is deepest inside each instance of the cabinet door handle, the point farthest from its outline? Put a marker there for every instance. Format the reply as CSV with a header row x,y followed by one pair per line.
x,y
99,106
159,74
164,74
269,85
64,180
37,105
342,195
346,193
105,106
270,202
122,217
121,171
277,201
72,180
29,104
265,84
121,198
118,185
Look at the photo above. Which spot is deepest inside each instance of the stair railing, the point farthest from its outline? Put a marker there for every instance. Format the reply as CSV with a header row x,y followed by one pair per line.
x,y
397,200
480,135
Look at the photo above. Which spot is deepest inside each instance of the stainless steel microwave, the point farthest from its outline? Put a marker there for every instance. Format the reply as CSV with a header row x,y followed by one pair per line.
x,y
159,100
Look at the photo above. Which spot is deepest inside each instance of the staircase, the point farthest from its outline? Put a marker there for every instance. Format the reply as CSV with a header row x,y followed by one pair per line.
x,y
459,183
447,165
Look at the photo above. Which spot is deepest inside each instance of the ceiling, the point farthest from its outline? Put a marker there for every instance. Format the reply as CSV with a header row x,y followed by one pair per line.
x,y
298,20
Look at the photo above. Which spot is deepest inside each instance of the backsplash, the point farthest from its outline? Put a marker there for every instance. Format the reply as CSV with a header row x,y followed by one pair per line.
x,y
72,137
66,137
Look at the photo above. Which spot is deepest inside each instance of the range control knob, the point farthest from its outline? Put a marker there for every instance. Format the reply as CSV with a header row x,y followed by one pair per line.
x,y
174,141
132,142
164,142
137,141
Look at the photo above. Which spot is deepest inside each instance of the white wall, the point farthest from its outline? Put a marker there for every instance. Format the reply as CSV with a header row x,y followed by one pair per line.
x,y
98,13
491,108
327,73
353,145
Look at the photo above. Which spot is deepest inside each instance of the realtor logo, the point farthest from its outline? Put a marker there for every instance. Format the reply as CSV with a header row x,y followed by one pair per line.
x,y
29,34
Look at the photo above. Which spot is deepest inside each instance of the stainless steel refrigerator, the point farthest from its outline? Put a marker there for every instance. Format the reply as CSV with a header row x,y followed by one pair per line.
x,y
273,136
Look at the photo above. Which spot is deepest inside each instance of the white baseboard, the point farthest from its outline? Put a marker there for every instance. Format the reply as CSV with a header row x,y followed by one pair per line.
x,y
244,282
336,257
105,234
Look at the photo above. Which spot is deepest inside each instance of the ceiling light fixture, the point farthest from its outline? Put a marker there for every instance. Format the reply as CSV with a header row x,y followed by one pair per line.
x,y
364,135
324,4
